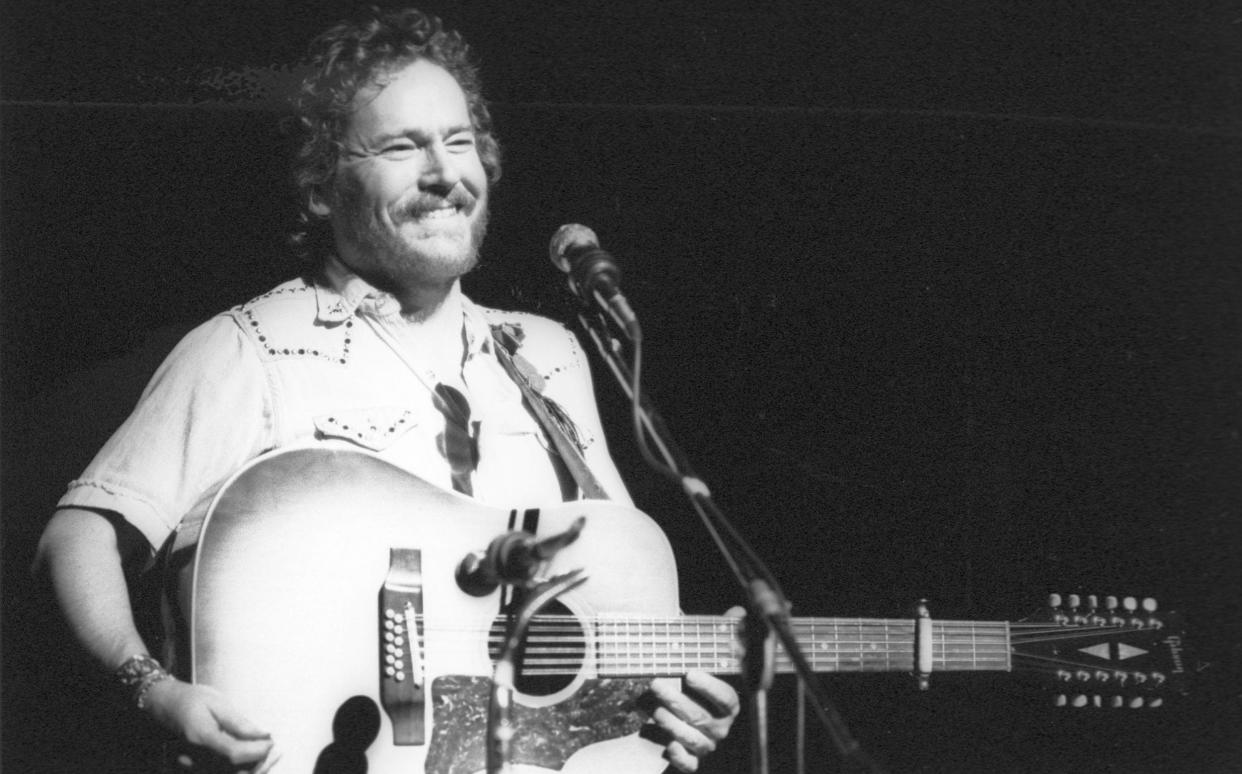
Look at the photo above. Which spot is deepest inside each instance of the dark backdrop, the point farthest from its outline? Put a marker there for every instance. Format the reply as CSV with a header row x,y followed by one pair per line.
x,y
942,298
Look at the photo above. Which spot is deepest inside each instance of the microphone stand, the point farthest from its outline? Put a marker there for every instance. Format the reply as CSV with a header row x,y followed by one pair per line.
x,y
767,608
500,728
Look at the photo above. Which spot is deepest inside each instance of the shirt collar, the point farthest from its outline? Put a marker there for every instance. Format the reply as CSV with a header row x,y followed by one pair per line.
x,y
341,293
344,294
478,331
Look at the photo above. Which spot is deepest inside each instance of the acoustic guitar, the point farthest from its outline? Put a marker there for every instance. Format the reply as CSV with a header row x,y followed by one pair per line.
x,y
322,599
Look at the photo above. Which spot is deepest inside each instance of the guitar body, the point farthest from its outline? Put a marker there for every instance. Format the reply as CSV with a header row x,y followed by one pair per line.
x,y
283,604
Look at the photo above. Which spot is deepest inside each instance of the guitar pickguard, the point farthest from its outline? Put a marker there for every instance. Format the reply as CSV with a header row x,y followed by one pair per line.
x,y
544,736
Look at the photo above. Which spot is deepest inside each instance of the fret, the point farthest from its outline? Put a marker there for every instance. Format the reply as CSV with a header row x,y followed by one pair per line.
x,y
724,630
671,647
629,648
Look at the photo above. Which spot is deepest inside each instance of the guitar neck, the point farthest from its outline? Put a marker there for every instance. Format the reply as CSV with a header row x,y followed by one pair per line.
x,y
671,646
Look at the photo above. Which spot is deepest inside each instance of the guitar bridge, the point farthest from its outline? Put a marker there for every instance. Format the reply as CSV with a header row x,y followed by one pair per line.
x,y
402,683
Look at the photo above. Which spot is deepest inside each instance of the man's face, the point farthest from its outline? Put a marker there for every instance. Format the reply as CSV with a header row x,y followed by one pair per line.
x,y
409,202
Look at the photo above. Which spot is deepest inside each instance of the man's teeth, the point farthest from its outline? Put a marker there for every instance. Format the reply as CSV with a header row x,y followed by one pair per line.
x,y
442,212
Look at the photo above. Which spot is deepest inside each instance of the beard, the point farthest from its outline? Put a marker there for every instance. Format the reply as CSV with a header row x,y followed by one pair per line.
x,y
413,252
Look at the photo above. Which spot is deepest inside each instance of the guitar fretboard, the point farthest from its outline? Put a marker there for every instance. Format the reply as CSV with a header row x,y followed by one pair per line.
x,y
636,646
630,646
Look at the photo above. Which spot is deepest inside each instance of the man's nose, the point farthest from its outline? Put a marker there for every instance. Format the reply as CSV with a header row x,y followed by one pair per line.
x,y
440,168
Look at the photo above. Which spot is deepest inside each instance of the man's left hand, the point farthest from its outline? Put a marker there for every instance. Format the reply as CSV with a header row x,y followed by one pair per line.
x,y
695,717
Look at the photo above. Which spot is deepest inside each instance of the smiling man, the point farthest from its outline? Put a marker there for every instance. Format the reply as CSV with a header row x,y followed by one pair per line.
x,y
408,204
375,349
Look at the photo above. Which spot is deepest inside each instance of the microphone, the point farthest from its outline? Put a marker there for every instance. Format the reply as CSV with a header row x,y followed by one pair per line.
x,y
511,558
593,273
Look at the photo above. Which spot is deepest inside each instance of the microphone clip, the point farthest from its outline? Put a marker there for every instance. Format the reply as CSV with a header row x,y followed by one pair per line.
x,y
593,275
513,558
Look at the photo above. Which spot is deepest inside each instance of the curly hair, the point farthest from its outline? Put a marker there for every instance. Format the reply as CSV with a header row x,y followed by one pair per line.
x,y
355,55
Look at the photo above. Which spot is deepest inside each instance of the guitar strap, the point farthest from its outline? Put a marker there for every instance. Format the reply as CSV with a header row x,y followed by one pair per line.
x,y
555,422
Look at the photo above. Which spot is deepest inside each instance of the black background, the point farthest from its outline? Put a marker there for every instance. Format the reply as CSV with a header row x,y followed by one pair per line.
x,y
943,299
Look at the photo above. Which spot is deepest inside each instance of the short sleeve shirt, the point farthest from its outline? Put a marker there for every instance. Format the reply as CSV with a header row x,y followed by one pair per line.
x,y
326,362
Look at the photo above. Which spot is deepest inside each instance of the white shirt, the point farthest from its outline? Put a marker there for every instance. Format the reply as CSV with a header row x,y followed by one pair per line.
x,y
335,363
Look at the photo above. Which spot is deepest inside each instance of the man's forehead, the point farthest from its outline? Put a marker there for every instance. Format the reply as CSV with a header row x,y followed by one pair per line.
x,y
419,96
418,79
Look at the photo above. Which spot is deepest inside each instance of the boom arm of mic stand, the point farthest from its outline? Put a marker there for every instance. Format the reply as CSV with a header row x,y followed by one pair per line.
x,y
752,574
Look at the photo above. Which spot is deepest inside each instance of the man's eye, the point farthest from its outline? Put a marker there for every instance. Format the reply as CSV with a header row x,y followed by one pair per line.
x,y
461,143
399,148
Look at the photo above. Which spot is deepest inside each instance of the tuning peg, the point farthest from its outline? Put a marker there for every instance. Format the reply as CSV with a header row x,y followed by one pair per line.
x,y
1077,614
1153,621
1155,702
1080,701
1093,610
1131,606
1060,700
1054,604
1117,702
1136,702
1114,618
1094,616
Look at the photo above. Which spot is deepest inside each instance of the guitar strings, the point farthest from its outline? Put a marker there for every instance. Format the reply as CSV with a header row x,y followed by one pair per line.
x,y
558,644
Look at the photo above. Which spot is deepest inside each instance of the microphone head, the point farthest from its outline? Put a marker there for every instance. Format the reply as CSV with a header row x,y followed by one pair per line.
x,y
569,237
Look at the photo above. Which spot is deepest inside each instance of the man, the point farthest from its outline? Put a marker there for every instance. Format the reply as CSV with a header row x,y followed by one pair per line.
x,y
377,348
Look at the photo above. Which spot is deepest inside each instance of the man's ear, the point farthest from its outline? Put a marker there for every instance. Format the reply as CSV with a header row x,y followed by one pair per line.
x,y
317,204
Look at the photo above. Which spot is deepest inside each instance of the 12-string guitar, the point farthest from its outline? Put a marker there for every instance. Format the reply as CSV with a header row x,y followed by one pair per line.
x,y
322,600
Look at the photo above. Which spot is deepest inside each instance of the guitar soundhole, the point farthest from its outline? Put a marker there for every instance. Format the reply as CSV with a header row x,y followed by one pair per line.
x,y
550,656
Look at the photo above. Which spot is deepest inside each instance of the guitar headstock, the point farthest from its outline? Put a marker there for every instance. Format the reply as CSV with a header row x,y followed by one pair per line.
x,y
1104,651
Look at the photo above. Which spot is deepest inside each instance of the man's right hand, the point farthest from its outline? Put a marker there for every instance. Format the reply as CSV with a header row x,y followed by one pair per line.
x,y
220,735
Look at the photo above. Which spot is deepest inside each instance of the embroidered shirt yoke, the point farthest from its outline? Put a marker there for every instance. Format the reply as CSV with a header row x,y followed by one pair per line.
x,y
331,362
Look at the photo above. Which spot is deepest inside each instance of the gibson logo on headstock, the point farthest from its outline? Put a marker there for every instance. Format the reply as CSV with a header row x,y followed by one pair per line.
x,y
1174,643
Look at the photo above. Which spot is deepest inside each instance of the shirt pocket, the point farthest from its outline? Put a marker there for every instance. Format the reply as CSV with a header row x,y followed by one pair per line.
x,y
375,428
